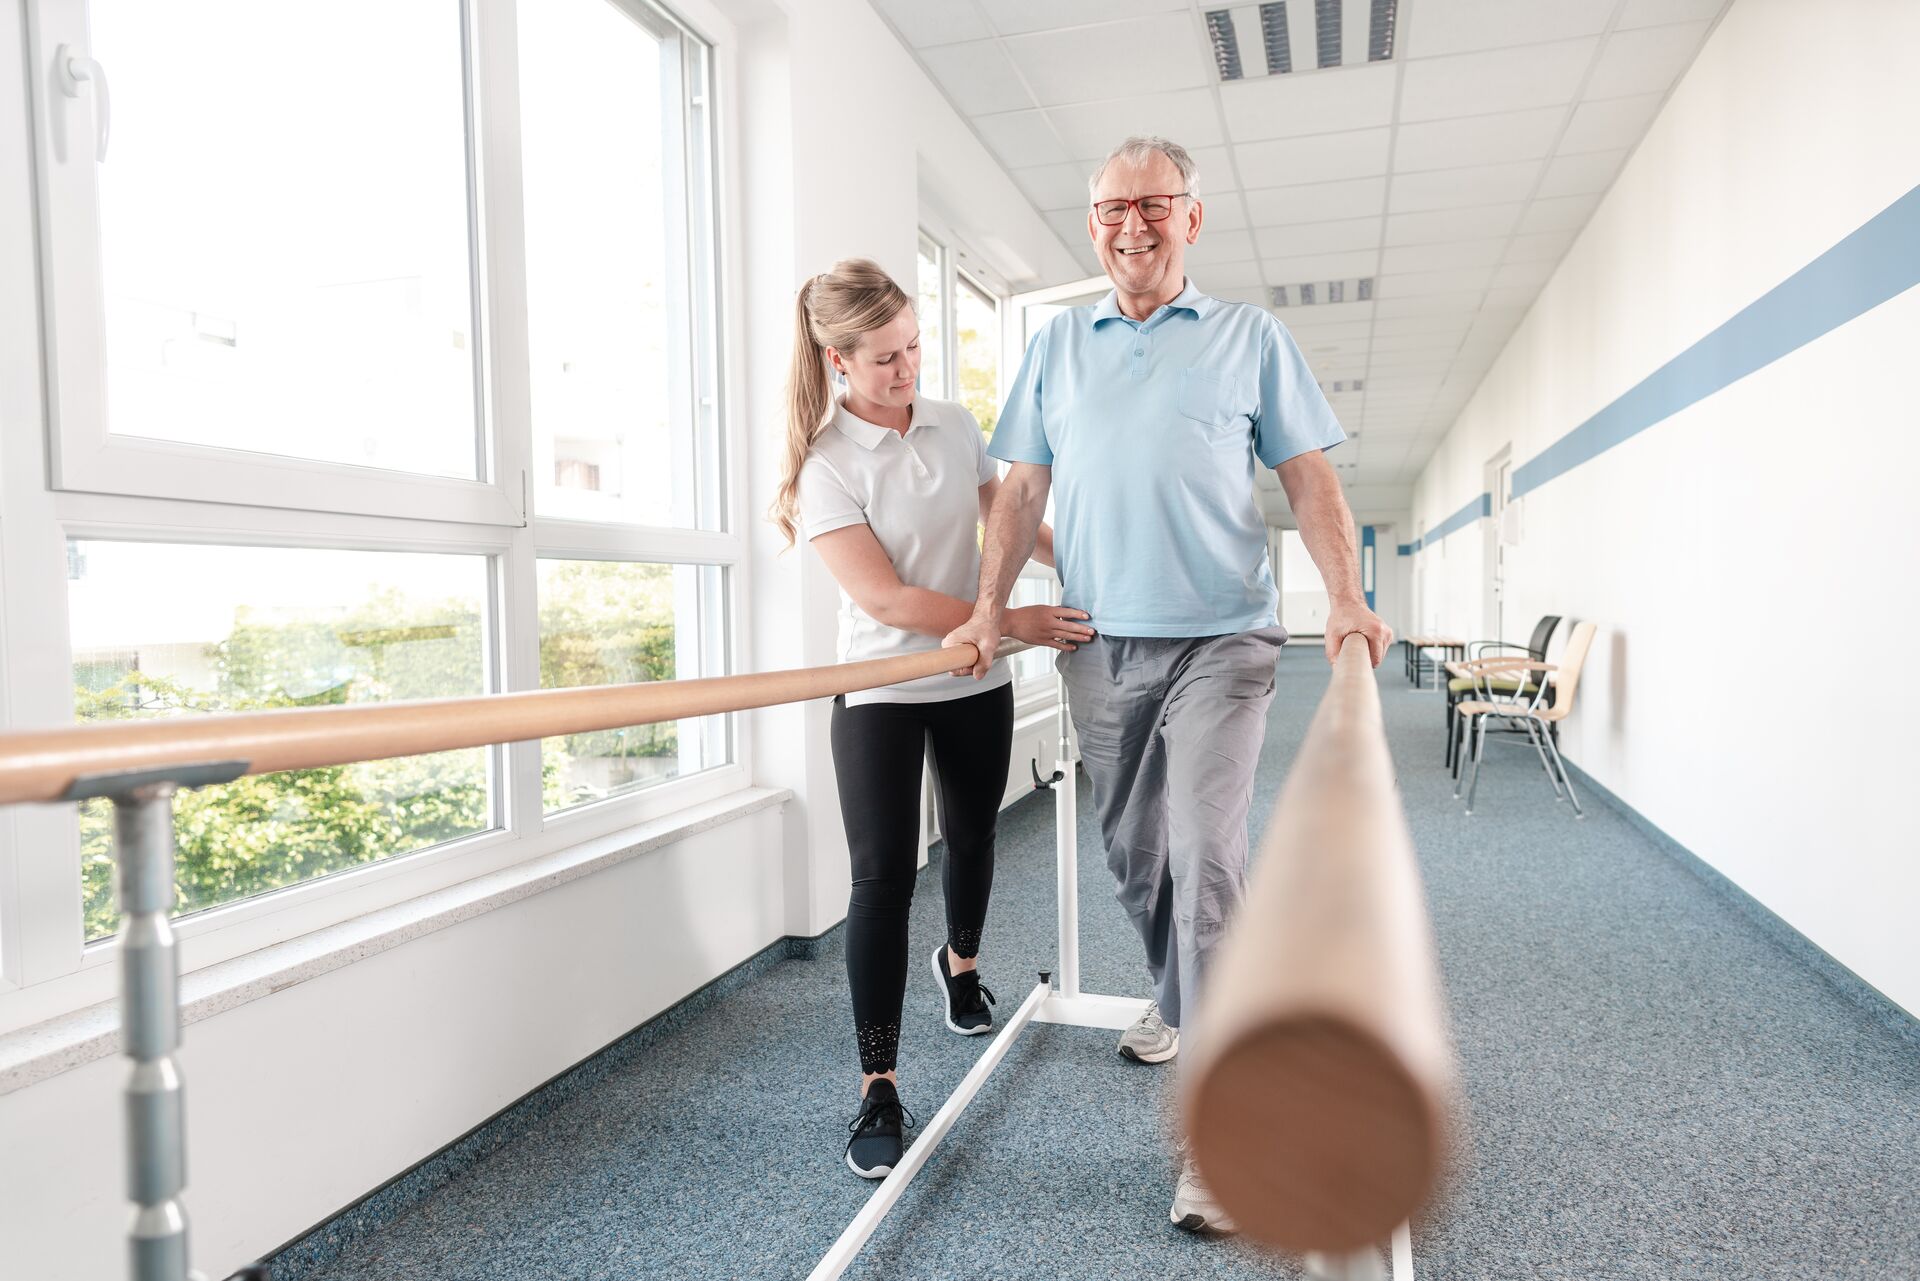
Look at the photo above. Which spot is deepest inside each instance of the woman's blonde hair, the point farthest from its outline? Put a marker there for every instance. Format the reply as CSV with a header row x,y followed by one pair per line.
x,y
836,309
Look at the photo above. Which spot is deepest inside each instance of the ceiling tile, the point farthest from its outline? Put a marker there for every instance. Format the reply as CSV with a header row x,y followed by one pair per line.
x,y
1086,64
1652,13
1438,257
1093,129
1214,278
1428,304
1504,80
1227,212
1071,226
1307,102
1221,246
1548,246
1578,175
977,77
1436,225
1054,186
1465,26
929,24
1319,238
1648,60
1524,273
1604,126
1319,268
1411,283
1516,299
1462,188
1285,162
1453,325
1562,213
1011,16
1477,140
1324,313
1022,139
1317,202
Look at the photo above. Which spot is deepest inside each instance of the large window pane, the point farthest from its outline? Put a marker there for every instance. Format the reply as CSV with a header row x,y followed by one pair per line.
x,y
976,324
609,312
931,296
163,629
618,623
284,230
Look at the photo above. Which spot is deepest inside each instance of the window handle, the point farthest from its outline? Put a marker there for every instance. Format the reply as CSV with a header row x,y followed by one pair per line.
x,y
74,71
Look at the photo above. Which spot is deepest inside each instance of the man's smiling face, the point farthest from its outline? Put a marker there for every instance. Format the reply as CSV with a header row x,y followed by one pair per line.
x,y
1141,257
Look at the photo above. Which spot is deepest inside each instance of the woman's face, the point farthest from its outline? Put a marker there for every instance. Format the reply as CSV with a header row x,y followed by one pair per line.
x,y
883,369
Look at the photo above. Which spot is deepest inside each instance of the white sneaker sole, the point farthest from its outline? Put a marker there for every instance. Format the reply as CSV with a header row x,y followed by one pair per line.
x,y
877,1172
946,1014
1128,1052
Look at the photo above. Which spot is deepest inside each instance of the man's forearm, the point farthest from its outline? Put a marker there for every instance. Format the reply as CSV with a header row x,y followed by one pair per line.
x,y
1326,527
1011,530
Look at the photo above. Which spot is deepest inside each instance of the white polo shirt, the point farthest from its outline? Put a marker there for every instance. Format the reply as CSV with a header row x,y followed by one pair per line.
x,y
920,494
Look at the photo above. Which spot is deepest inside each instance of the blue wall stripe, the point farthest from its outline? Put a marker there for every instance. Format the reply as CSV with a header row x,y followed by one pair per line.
x,y
1366,541
1875,263
1482,505
1404,549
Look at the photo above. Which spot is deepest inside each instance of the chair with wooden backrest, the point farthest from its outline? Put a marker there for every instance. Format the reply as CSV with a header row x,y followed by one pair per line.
x,y
1461,682
1534,716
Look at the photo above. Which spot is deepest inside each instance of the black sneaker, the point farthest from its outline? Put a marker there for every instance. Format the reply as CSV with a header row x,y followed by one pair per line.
x,y
878,1132
966,997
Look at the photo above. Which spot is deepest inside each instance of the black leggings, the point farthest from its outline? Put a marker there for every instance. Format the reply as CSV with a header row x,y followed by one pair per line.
x,y
876,758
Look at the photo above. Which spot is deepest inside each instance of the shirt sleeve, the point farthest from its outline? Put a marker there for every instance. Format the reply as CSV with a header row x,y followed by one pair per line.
x,y
1020,436
1293,416
826,504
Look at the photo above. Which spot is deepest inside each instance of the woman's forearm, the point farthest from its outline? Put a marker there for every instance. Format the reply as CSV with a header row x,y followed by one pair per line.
x,y
924,612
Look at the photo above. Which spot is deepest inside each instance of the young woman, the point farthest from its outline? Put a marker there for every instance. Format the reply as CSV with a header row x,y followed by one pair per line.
x,y
890,487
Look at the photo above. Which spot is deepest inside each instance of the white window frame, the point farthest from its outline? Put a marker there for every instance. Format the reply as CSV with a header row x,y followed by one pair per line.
x,y
198,495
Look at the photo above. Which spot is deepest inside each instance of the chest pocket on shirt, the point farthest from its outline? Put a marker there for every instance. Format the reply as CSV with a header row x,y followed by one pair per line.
x,y
1208,396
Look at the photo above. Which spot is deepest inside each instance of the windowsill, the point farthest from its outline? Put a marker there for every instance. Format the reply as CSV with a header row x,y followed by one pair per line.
x,y
44,1050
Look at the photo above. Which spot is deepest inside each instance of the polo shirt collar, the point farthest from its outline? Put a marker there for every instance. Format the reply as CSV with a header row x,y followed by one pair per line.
x,y
870,435
1188,299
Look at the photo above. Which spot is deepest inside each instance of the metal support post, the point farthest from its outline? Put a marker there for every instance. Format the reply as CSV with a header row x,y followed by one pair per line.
x,y
1066,851
150,1008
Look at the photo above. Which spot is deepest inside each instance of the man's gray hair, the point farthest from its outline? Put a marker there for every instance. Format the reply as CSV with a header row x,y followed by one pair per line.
x,y
1138,149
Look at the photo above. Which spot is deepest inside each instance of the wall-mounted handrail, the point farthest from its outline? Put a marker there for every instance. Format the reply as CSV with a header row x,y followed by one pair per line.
x,y
1318,1084
41,765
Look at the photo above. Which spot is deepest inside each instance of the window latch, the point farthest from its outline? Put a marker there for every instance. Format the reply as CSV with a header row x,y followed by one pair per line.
x,y
75,71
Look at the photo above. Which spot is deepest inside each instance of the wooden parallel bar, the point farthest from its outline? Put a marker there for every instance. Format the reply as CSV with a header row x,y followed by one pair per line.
x,y
1318,1086
40,765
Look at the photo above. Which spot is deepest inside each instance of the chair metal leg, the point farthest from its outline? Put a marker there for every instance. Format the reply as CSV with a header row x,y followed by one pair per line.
x,y
1577,811
1534,733
1479,746
1463,733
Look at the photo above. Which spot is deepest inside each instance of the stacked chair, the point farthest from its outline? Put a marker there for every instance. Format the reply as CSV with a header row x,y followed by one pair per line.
x,y
1533,714
1462,675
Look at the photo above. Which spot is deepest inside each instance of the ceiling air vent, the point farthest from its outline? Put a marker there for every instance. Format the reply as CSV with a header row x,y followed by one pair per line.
x,y
1226,45
1273,34
1380,30
1331,291
1326,31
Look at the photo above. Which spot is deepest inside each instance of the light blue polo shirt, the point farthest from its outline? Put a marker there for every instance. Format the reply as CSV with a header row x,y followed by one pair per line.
x,y
1153,429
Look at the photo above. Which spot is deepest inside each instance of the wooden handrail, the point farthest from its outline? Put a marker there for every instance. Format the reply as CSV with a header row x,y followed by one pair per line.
x,y
1318,1086
40,765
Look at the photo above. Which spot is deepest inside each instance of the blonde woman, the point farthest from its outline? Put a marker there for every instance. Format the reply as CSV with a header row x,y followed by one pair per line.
x,y
890,487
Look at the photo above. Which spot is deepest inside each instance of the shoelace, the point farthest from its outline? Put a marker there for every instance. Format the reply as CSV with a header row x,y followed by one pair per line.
x,y
968,989
874,1112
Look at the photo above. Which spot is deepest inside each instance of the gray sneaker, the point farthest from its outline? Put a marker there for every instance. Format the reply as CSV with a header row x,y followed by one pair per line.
x,y
1193,1205
1149,1040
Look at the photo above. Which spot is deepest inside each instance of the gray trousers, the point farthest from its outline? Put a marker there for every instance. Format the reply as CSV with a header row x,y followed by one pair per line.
x,y
1170,731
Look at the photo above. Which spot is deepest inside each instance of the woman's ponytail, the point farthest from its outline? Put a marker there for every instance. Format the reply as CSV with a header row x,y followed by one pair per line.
x,y
833,310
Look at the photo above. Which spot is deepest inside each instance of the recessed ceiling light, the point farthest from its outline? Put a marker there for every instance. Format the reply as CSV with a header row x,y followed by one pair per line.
x,y
1380,30
1326,18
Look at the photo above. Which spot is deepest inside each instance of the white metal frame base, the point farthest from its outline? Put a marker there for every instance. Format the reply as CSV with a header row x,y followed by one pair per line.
x,y
1065,1004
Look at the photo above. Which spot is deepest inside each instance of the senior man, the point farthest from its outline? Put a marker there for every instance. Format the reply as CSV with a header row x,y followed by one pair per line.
x,y
1149,411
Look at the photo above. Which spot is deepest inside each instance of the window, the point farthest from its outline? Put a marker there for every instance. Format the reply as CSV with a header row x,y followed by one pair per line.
x,y
976,322
418,396
932,299
615,623
276,627
1033,668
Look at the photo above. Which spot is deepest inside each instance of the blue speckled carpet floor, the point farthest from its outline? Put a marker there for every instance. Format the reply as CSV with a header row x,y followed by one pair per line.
x,y
1655,1088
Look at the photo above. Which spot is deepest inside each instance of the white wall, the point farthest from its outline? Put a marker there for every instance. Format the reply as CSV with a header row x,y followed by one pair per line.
x,y
1728,550
335,1085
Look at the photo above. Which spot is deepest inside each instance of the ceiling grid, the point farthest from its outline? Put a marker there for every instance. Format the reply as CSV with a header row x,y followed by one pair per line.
x,y
1454,173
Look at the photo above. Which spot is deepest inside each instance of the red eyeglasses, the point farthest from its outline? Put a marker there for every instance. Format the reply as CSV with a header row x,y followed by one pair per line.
x,y
1111,213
